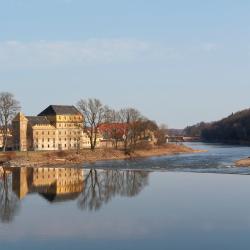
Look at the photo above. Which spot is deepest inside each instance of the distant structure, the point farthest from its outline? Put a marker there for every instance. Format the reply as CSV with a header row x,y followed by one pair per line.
x,y
55,128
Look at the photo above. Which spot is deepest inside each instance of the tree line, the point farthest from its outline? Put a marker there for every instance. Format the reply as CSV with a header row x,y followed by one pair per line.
x,y
235,129
126,125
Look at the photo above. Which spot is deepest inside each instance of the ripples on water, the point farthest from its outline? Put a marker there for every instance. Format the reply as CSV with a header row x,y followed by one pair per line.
x,y
218,159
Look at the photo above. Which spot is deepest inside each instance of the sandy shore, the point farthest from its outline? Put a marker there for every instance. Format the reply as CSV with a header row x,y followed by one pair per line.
x,y
38,159
243,163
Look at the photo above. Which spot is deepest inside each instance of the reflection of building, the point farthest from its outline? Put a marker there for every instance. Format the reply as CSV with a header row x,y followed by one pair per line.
x,y
54,184
1,172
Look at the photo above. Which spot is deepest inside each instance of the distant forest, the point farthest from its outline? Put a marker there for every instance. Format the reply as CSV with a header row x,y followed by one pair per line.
x,y
235,128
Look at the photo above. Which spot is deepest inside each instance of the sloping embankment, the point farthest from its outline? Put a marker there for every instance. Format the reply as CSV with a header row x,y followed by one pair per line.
x,y
72,157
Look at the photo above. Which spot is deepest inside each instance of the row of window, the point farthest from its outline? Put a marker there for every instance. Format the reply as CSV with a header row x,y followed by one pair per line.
x,y
56,169
75,133
49,133
60,132
54,140
69,125
70,118
54,146
54,176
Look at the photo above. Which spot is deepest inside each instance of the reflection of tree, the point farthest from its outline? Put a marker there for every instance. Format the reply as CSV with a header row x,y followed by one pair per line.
x,y
9,203
102,185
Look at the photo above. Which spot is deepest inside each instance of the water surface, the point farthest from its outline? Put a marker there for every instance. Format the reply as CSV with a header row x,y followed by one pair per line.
x,y
199,201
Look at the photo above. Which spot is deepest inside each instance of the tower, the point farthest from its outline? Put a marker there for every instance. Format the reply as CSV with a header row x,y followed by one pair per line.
x,y
19,125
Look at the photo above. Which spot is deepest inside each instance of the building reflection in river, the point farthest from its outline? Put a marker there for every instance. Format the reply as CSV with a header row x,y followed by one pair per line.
x,y
90,187
54,184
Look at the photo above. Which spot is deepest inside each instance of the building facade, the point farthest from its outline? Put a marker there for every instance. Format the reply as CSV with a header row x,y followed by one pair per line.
x,y
55,128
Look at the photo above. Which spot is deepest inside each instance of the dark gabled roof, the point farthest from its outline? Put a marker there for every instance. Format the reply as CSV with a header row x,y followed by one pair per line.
x,y
38,120
54,198
60,110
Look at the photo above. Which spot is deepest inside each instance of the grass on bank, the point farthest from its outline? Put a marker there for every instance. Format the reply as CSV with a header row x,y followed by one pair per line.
x,y
72,156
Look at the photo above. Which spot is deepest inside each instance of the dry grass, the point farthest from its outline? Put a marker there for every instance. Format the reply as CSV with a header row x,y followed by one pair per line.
x,y
87,155
243,163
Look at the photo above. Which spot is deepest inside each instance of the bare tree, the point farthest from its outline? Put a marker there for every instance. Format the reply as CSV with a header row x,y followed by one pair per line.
x,y
100,186
161,134
132,118
9,203
94,113
113,128
9,106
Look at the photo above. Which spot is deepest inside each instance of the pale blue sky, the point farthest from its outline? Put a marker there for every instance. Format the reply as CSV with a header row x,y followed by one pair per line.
x,y
179,61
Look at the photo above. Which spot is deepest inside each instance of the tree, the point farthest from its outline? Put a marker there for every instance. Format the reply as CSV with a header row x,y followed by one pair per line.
x,y
100,186
132,118
94,113
113,128
9,203
161,134
9,107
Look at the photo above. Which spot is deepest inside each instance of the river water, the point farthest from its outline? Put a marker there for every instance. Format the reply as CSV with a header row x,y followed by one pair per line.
x,y
194,201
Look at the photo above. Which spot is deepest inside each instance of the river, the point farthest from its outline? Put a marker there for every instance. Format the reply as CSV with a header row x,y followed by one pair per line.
x,y
193,201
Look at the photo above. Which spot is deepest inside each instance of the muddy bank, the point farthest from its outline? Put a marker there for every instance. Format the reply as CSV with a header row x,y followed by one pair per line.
x,y
38,159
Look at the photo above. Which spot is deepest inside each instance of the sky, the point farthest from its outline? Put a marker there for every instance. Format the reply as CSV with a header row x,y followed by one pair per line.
x,y
179,62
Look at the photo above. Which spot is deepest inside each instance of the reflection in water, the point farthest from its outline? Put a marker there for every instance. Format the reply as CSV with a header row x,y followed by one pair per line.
x,y
102,185
92,188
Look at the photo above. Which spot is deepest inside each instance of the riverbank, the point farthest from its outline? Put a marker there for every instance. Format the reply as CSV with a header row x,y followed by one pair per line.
x,y
243,162
38,159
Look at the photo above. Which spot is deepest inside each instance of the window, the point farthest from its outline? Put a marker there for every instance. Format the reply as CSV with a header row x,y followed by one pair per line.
x,y
65,145
42,146
48,139
48,145
48,132
42,133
